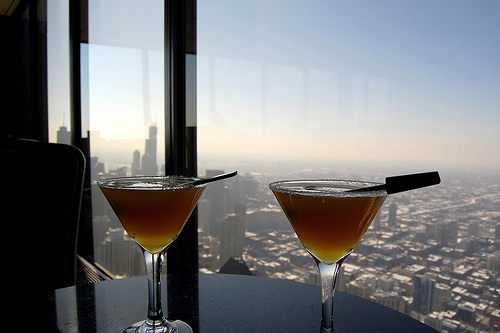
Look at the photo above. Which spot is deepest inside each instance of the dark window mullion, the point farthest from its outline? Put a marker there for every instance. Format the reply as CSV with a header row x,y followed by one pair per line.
x,y
179,150
78,34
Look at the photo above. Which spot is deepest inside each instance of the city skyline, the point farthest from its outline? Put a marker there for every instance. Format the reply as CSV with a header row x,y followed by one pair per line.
x,y
446,234
119,154
317,89
433,253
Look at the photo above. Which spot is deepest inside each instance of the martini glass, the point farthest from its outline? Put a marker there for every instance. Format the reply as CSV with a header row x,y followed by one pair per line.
x,y
153,210
329,221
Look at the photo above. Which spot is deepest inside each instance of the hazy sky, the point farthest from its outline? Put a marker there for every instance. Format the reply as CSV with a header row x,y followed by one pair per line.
x,y
392,81
396,80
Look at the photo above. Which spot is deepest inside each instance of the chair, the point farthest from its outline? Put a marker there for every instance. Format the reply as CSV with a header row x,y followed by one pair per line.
x,y
42,186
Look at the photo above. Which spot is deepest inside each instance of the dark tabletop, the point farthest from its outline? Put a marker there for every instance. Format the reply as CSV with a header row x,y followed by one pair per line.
x,y
219,303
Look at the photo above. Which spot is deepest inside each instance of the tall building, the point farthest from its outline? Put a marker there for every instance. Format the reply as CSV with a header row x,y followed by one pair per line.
x,y
63,135
232,239
446,233
136,163
493,262
390,299
431,230
474,229
215,195
376,221
392,220
120,254
467,312
449,234
244,187
203,218
424,293
363,286
149,166
443,297
495,320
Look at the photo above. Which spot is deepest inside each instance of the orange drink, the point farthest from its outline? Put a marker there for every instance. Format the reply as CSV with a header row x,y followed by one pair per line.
x,y
329,220
153,210
154,216
329,224
331,216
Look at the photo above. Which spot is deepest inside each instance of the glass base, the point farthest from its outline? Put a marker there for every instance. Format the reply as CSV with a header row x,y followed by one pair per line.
x,y
164,327
325,330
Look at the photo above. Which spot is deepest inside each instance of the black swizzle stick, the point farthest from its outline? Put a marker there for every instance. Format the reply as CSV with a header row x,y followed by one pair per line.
x,y
396,184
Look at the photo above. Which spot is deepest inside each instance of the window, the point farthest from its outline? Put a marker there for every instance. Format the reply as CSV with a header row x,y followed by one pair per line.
x,y
353,90
293,89
126,113
122,108
58,72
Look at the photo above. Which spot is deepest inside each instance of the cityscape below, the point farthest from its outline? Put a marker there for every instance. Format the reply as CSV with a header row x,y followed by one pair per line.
x,y
433,253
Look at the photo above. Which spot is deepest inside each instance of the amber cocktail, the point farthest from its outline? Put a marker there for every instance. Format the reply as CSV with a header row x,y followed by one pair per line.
x,y
153,211
329,221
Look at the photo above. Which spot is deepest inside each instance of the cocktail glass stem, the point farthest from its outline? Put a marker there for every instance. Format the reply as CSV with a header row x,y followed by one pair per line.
x,y
328,274
155,321
153,268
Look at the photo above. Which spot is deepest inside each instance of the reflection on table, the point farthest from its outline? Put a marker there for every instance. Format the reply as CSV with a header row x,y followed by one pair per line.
x,y
220,303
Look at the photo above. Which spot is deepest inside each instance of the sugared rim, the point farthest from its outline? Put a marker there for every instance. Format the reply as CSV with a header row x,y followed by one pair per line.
x,y
326,187
148,182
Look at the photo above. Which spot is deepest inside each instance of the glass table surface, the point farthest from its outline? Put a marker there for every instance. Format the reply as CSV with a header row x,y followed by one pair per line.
x,y
218,303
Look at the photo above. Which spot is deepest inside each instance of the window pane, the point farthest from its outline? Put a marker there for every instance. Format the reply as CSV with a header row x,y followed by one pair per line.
x,y
58,71
125,113
354,89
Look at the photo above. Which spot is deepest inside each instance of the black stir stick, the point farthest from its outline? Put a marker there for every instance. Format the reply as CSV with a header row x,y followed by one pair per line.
x,y
212,179
403,183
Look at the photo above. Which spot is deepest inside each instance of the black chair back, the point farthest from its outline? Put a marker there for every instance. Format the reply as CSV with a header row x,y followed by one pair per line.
x,y
42,186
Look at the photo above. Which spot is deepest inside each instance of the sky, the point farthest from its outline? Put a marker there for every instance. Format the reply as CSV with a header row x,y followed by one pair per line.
x,y
390,80
365,81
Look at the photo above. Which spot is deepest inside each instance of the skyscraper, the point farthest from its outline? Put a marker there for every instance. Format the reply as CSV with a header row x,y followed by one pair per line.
x,y
424,293
136,163
376,222
63,135
149,166
232,237
474,229
493,262
216,206
443,297
449,234
392,220
120,254
446,233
